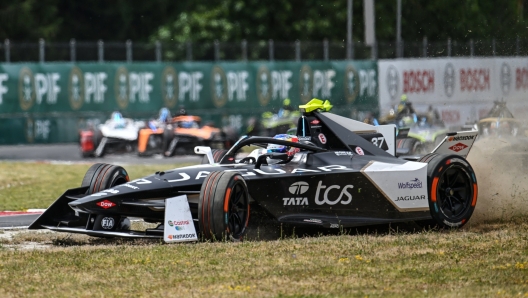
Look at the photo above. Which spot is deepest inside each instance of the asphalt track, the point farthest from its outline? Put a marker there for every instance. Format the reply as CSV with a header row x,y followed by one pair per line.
x,y
69,153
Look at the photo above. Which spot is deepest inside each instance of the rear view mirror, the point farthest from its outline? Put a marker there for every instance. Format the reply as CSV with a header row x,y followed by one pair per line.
x,y
262,159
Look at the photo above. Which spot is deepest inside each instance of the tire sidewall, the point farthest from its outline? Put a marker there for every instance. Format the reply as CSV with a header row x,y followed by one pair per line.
x,y
437,167
215,195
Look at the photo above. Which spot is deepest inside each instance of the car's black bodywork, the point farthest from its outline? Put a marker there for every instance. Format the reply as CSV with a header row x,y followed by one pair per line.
x,y
336,179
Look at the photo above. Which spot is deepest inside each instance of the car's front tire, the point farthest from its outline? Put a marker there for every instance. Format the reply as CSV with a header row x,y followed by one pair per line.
x,y
101,176
223,208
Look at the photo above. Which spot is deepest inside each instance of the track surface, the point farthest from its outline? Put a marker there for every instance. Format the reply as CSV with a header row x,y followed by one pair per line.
x,y
70,153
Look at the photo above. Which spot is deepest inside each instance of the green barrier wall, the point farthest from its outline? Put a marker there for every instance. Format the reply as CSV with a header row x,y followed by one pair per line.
x,y
48,103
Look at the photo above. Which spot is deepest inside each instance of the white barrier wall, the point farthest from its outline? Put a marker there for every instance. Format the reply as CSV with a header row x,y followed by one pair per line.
x,y
462,89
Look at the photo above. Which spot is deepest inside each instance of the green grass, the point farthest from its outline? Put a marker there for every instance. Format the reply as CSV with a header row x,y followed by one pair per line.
x,y
485,260
490,260
37,185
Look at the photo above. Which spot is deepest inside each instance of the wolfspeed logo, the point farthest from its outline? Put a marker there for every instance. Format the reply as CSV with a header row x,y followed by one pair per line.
x,y
461,138
458,147
415,183
411,198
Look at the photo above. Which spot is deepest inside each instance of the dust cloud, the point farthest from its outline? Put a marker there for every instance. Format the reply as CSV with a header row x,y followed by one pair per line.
x,y
502,177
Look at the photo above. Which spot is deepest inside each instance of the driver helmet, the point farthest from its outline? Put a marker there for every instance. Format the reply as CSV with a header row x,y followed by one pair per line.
x,y
164,115
187,124
117,117
276,148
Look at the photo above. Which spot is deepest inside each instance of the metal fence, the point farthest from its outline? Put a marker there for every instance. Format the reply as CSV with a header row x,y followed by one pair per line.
x,y
100,51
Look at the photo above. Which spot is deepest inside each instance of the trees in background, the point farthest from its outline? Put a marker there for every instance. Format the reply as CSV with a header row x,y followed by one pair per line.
x,y
234,20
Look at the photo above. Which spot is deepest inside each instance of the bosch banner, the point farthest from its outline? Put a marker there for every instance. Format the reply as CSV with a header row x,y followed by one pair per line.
x,y
462,89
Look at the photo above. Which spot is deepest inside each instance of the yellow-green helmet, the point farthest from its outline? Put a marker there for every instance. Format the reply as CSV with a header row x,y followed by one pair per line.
x,y
403,97
286,102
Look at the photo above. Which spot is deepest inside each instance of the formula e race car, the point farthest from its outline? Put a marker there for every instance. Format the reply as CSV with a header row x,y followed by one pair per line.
x,y
328,175
180,136
421,137
117,134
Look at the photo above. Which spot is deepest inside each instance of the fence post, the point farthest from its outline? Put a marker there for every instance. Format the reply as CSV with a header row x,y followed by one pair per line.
x,y
158,51
374,50
216,50
72,50
297,50
271,50
471,48
424,45
100,51
449,47
244,50
129,51
517,46
188,49
42,50
493,47
325,49
7,52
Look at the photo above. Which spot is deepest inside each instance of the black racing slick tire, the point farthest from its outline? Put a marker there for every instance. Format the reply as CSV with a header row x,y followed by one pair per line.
x,y
223,208
453,190
413,146
101,176
217,156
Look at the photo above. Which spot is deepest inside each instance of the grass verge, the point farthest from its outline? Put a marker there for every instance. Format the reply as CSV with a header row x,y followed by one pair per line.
x,y
485,260
489,260
37,185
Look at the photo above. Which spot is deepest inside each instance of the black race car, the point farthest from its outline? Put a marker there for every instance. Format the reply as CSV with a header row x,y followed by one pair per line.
x,y
330,174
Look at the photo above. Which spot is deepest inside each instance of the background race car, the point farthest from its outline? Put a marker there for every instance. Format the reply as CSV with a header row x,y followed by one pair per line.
x,y
325,176
116,135
180,136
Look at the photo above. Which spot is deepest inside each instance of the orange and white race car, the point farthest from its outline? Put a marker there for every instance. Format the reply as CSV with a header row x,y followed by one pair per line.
x,y
180,136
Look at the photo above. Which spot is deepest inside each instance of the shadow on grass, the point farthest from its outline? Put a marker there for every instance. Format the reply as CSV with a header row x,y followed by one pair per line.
x,y
264,228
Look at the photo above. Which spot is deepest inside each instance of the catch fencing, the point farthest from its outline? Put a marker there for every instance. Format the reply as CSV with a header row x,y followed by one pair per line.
x,y
110,51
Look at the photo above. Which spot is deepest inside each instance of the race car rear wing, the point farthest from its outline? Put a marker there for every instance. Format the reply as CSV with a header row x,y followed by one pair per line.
x,y
459,143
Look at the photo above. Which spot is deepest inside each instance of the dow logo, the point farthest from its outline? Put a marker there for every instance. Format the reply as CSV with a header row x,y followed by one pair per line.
x,y
298,188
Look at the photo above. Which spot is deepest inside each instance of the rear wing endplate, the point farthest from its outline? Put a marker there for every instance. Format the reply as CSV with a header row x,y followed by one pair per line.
x,y
459,143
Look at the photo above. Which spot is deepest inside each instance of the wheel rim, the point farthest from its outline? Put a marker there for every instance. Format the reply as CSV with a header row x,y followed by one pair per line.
x,y
238,209
454,192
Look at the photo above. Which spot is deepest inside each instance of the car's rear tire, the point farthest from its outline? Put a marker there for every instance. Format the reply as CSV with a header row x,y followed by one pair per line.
x,y
452,188
101,176
217,156
223,208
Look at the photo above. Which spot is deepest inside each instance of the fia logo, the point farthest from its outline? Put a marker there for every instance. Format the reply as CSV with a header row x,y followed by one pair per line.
x,y
297,189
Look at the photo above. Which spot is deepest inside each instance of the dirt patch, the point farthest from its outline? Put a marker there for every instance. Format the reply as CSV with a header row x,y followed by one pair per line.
x,y
502,179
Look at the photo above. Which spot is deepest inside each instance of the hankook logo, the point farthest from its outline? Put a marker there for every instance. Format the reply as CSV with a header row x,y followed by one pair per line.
x,y
506,78
305,84
264,86
351,83
298,188
169,86
449,79
393,81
